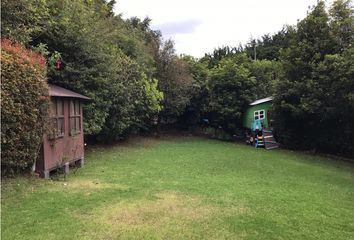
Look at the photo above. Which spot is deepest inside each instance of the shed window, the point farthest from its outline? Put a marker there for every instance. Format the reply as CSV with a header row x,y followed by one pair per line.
x,y
57,118
75,117
259,115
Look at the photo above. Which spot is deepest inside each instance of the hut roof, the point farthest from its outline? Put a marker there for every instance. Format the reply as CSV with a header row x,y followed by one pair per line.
x,y
263,100
56,91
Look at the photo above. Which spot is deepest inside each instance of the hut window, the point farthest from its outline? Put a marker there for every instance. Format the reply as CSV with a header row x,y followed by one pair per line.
x,y
57,116
259,115
75,117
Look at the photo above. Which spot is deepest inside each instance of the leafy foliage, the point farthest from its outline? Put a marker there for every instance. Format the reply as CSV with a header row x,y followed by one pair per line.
x,y
114,71
269,46
313,103
267,74
198,104
24,104
341,24
135,102
22,19
231,90
109,59
175,81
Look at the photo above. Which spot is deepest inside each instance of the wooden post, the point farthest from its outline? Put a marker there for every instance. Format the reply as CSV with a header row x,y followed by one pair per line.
x,y
46,174
66,168
82,162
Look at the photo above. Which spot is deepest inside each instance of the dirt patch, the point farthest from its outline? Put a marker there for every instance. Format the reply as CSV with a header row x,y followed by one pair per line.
x,y
139,141
169,215
82,184
167,208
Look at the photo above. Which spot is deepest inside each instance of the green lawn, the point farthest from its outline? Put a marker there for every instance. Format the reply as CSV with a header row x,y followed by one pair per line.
x,y
185,188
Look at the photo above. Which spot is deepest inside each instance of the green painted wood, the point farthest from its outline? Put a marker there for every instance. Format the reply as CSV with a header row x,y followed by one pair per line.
x,y
249,115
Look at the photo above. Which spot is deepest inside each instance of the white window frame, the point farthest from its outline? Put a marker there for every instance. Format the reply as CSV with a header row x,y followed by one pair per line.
x,y
258,114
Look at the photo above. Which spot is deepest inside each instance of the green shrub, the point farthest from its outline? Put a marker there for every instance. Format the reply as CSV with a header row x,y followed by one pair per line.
x,y
24,104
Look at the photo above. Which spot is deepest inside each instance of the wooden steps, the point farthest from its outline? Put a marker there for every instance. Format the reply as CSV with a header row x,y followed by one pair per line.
x,y
259,141
268,139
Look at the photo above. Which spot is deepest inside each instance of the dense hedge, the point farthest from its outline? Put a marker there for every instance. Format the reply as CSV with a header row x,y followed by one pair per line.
x,y
24,104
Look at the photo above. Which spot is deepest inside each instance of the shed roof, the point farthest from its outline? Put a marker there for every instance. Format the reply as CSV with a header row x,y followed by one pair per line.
x,y
56,91
263,100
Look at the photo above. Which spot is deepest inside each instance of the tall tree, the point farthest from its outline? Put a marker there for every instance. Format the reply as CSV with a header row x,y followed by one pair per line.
x,y
297,100
310,107
342,24
231,90
22,20
175,82
269,47
266,73
198,104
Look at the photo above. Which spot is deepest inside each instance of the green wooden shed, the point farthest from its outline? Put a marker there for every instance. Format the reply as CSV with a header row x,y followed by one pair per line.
x,y
258,110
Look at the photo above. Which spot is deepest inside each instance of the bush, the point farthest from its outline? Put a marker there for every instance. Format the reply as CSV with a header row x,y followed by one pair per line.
x,y
24,94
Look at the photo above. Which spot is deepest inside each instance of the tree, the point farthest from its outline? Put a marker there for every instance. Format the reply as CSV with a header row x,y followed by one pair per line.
x,y
88,65
335,77
342,24
231,90
198,105
23,19
269,46
135,101
314,97
105,58
297,102
266,73
175,82
218,54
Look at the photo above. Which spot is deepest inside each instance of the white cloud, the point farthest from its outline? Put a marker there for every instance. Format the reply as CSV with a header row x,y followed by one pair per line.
x,y
179,27
197,27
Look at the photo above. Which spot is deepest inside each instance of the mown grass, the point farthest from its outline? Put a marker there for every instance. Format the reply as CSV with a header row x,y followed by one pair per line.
x,y
185,188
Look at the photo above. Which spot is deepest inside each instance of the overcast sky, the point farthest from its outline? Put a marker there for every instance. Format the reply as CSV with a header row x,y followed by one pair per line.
x,y
197,26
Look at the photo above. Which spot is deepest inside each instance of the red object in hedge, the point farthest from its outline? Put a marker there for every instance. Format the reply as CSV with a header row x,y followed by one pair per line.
x,y
58,64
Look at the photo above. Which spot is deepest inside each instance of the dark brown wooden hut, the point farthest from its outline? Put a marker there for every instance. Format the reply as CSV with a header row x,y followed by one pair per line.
x,y
65,144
